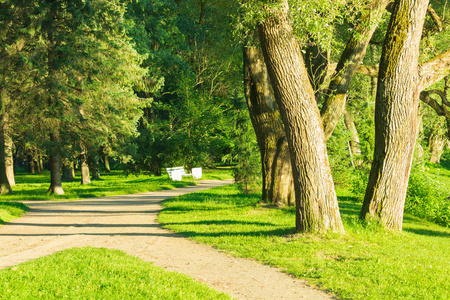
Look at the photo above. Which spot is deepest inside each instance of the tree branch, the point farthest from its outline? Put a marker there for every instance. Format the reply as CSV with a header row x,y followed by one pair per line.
x,y
434,70
440,109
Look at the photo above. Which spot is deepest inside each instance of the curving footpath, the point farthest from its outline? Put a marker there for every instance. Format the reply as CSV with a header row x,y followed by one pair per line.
x,y
129,223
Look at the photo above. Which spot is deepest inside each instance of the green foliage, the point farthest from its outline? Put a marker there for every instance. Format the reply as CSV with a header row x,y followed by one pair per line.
x,y
367,262
428,194
90,273
245,154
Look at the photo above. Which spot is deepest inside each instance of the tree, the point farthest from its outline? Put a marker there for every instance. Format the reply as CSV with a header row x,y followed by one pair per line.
x,y
395,115
316,202
277,180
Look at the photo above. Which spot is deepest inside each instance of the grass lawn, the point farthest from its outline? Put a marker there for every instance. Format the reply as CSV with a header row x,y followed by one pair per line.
x,y
34,187
367,262
91,273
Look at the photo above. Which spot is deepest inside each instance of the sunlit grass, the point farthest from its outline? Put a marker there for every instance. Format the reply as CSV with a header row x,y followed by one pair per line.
x,y
35,186
91,273
366,263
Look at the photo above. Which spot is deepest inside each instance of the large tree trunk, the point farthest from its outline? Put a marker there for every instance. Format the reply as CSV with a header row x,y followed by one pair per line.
x,y
395,115
316,202
278,185
5,187
55,168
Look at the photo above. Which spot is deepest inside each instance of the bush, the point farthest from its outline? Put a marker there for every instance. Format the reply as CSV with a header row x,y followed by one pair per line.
x,y
426,198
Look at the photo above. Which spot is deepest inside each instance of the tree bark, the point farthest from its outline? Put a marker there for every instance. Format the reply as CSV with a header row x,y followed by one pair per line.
x,y
55,168
5,187
85,177
355,150
354,52
395,115
278,185
316,202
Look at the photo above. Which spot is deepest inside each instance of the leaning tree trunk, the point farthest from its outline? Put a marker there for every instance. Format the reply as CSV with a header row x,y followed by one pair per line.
x,y
278,184
395,115
316,202
5,187
106,160
55,167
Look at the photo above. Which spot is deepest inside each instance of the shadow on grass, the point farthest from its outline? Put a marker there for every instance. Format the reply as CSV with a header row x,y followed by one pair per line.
x,y
428,232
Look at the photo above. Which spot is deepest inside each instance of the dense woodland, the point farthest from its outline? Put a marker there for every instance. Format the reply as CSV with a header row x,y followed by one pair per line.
x,y
298,96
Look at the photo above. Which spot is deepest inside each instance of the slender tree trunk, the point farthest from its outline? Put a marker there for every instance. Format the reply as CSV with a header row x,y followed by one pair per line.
x,y
355,150
278,185
5,187
107,167
9,161
55,169
40,165
396,108
85,177
316,202
436,144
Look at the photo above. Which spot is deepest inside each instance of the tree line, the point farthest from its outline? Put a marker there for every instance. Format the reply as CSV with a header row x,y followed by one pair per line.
x,y
327,85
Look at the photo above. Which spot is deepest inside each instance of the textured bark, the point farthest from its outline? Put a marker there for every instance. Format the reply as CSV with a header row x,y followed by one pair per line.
x,y
5,187
395,115
278,185
85,177
351,58
354,143
316,201
55,168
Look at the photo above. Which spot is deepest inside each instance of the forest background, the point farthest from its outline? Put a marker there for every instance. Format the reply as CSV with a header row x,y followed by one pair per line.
x,y
155,84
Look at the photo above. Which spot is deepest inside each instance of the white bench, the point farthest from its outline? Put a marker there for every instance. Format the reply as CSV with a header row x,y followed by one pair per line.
x,y
177,173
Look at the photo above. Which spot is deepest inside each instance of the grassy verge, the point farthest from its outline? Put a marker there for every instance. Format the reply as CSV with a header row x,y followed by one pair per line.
x,y
11,210
365,263
91,273
34,186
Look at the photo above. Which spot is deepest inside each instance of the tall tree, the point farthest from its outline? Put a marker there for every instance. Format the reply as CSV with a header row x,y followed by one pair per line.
x,y
277,179
316,201
395,115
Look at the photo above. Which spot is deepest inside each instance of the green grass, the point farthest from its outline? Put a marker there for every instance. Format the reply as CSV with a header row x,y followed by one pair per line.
x,y
35,186
367,262
92,273
11,210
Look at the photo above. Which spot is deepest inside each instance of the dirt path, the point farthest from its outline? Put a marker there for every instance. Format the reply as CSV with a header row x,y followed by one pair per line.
x,y
129,223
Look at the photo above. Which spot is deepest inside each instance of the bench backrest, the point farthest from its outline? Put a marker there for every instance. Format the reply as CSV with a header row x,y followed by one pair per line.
x,y
176,173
